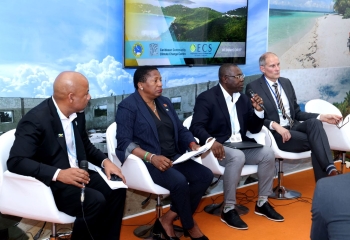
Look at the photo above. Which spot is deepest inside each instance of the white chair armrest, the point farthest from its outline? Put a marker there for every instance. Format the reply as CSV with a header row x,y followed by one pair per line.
x,y
137,176
258,137
31,199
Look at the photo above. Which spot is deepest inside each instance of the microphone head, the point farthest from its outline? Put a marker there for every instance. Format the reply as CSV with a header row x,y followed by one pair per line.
x,y
84,165
251,92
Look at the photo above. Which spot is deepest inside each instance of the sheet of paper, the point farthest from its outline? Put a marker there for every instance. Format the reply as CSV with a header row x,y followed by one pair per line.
x,y
188,155
111,184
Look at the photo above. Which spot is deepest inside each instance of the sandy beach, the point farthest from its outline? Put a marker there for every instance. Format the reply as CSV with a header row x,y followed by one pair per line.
x,y
322,47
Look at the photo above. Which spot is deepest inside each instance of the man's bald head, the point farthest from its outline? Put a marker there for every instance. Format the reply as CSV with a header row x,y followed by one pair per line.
x,y
71,92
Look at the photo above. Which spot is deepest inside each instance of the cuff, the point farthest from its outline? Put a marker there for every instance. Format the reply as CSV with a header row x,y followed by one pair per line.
x,y
55,175
259,114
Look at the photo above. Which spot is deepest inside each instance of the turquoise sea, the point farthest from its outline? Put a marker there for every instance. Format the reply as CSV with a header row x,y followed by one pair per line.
x,y
287,27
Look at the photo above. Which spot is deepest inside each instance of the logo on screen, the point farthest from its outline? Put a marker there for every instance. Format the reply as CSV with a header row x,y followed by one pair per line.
x,y
153,49
193,48
137,49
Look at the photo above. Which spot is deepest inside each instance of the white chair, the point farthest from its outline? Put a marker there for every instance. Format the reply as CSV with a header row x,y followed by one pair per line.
x,y
25,196
111,143
137,177
338,137
211,162
280,192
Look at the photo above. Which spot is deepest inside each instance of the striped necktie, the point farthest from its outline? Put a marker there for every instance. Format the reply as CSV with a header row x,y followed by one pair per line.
x,y
280,104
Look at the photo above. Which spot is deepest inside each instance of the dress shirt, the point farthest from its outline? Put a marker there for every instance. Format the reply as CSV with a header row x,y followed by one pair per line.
x,y
231,106
283,122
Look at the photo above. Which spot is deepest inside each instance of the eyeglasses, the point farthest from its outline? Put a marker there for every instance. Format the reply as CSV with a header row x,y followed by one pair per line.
x,y
343,124
240,76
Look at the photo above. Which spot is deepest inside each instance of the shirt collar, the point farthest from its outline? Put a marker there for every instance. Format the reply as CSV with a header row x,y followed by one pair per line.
x,y
227,96
271,82
61,115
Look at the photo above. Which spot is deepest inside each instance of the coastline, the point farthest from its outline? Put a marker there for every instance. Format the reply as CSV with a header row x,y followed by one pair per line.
x,y
323,46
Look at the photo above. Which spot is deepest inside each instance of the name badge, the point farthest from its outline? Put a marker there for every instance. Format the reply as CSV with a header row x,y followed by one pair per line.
x,y
236,138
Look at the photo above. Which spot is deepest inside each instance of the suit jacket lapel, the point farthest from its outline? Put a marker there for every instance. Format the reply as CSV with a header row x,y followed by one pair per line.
x,y
57,126
79,145
166,107
222,105
268,93
288,93
145,112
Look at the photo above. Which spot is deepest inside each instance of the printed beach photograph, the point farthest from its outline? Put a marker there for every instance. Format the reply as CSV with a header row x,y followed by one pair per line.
x,y
310,34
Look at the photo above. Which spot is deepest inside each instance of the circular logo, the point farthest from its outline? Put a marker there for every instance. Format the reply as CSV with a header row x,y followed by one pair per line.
x,y
193,48
137,49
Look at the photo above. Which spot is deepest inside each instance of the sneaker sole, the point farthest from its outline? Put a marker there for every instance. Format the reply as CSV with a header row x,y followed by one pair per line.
x,y
222,220
275,220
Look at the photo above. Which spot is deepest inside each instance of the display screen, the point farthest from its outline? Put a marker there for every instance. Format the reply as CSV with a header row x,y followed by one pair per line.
x,y
184,32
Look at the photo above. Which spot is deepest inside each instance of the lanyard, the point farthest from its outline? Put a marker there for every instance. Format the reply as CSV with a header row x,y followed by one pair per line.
x,y
274,94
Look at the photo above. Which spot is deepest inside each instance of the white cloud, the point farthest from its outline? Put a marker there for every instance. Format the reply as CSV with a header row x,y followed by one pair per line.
x,y
27,81
105,77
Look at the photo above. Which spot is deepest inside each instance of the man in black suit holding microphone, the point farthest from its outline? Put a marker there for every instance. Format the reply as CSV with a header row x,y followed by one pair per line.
x,y
225,114
51,142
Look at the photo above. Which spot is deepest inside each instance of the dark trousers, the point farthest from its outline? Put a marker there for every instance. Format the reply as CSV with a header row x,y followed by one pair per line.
x,y
309,135
103,208
187,183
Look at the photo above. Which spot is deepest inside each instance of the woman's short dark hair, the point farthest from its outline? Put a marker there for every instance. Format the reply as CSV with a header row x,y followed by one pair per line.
x,y
141,73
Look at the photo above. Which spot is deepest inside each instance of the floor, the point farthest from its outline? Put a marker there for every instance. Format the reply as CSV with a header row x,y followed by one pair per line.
x,y
27,228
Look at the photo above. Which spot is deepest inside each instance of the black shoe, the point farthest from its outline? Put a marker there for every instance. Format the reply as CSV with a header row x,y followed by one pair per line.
x,y
187,234
267,210
232,219
158,230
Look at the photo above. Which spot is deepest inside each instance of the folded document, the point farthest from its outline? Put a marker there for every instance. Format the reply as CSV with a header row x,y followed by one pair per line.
x,y
111,184
188,155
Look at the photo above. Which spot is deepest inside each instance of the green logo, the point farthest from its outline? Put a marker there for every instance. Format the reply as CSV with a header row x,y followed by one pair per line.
x,y
193,48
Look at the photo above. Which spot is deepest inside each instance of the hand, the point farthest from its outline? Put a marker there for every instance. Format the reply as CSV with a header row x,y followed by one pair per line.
x,y
218,150
195,146
331,118
111,168
73,176
162,163
256,101
283,132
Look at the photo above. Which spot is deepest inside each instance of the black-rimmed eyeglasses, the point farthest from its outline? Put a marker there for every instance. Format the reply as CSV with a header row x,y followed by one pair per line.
x,y
240,76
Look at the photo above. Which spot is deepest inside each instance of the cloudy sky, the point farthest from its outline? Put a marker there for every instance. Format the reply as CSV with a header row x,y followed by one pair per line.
x,y
41,38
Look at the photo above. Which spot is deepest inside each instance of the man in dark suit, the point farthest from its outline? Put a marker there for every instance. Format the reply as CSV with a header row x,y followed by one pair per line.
x,y
283,118
331,209
226,115
51,141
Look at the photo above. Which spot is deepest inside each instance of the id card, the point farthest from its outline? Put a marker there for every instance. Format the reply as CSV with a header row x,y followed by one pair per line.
x,y
236,138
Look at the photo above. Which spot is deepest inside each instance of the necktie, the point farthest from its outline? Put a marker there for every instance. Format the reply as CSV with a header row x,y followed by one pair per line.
x,y
280,104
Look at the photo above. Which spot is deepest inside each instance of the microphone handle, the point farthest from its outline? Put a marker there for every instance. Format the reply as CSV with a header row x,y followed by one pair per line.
x,y
82,196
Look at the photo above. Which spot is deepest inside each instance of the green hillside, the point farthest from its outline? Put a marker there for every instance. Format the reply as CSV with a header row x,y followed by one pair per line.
x,y
200,24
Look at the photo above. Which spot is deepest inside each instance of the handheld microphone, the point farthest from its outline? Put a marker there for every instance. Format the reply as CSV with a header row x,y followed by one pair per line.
x,y
85,166
252,95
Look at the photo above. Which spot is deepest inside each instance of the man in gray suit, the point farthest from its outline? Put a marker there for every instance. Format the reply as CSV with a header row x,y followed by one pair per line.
x,y
282,116
331,209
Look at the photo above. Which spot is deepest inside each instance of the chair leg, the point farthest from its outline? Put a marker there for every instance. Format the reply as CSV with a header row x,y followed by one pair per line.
x,y
146,231
343,162
280,192
53,235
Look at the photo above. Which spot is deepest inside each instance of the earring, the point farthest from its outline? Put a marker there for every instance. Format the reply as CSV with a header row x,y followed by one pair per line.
x,y
142,89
